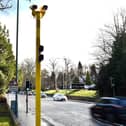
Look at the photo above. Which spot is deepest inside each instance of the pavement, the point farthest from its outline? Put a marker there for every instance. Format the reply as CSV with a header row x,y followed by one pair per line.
x,y
27,119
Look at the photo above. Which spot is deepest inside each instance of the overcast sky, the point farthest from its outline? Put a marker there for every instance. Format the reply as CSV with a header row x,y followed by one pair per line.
x,y
68,29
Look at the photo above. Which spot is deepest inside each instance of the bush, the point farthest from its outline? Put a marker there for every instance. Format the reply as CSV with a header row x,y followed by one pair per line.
x,y
3,99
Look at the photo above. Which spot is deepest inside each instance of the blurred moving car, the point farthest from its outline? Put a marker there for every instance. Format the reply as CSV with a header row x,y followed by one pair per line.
x,y
43,95
59,97
112,109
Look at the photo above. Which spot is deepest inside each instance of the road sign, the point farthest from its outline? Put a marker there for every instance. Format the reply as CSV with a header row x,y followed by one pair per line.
x,y
13,86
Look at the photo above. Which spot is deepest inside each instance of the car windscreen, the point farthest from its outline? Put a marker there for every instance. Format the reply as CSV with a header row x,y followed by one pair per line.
x,y
108,101
104,101
123,102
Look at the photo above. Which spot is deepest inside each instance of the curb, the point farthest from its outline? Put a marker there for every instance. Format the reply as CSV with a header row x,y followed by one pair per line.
x,y
51,122
47,122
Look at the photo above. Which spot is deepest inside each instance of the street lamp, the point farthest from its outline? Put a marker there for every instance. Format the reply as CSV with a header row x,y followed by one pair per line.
x,y
38,14
17,25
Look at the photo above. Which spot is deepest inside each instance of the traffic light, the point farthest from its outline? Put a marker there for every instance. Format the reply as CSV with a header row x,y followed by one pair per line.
x,y
27,84
41,56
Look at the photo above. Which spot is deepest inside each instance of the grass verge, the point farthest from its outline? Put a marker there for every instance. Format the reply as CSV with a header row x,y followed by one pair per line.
x,y
74,92
5,121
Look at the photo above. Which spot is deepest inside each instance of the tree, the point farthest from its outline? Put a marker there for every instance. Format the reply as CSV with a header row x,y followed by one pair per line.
x,y
88,79
7,61
28,69
60,80
53,65
20,77
80,69
72,76
5,4
67,67
2,80
53,80
103,82
45,79
115,42
93,73
76,80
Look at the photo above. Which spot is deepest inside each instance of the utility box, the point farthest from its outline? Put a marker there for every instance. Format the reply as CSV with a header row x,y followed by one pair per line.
x,y
13,106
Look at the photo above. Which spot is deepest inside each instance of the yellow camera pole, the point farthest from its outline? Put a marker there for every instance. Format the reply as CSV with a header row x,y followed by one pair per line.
x,y
38,74
38,14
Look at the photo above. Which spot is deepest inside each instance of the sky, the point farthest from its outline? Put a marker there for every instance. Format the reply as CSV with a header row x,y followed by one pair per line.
x,y
69,28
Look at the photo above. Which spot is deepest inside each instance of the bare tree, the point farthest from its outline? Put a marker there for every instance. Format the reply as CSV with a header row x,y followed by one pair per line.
x,y
5,4
52,66
108,35
104,47
67,68
28,68
45,79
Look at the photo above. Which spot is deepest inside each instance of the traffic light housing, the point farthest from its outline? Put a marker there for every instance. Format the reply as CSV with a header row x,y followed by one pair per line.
x,y
41,56
27,84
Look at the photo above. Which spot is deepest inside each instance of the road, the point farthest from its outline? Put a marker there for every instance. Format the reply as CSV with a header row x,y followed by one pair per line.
x,y
70,113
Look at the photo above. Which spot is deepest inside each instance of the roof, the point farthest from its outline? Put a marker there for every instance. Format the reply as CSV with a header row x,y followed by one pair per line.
x,y
114,98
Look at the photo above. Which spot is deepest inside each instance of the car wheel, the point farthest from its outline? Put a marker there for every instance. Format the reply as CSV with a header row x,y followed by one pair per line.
x,y
110,117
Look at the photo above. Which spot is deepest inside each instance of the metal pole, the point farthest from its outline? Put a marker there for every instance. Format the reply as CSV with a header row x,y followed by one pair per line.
x,y
16,96
38,72
26,100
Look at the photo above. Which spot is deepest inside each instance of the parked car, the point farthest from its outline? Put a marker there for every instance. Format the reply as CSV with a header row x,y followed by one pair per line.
x,y
90,87
112,109
43,95
21,92
59,97
29,92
